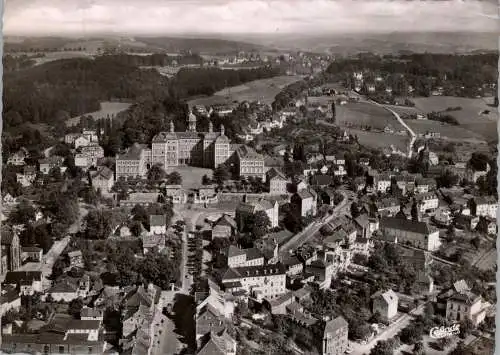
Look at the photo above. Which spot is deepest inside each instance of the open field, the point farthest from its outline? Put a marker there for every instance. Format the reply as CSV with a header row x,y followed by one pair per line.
x,y
365,114
107,108
263,90
446,130
380,140
469,116
51,56
191,176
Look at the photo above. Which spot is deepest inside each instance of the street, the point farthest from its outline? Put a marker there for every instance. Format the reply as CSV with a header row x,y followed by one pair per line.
x,y
388,333
302,237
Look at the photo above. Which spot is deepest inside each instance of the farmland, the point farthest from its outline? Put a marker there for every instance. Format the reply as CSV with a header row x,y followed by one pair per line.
x,y
263,90
470,117
107,108
361,114
447,131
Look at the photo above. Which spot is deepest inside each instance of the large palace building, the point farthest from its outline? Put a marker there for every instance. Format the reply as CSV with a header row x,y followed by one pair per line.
x,y
202,149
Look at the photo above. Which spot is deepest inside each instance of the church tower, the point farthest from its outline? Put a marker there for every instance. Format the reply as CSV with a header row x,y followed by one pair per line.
x,y
172,127
191,122
222,130
210,127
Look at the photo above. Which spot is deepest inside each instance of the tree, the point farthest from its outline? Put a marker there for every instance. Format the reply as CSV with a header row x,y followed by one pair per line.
x,y
334,112
411,334
221,174
99,224
354,210
418,348
447,179
175,178
205,180
478,161
414,211
74,308
382,347
156,173
23,214
159,269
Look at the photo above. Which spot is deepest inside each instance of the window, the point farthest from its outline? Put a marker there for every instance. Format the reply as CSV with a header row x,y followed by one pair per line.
x,y
46,349
61,349
90,350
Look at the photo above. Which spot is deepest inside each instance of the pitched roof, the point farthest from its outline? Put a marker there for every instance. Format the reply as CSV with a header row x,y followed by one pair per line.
x,y
274,173
248,153
388,296
157,220
63,287
226,220
304,194
405,225
133,153
233,251
321,180
103,172
335,324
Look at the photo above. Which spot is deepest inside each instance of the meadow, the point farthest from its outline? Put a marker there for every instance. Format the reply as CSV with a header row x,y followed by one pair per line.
x,y
107,108
263,90
471,117
359,114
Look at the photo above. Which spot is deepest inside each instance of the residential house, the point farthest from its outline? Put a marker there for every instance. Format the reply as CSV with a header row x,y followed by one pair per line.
x,y
75,258
10,299
473,175
27,177
32,254
249,162
382,182
466,222
102,179
93,152
70,138
276,182
359,184
63,291
222,344
301,184
63,335
152,242
278,305
465,305
292,265
321,180
134,163
90,135
224,227
335,340
424,283
484,206
364,162
237,257
50,163
386,304
247,208
388,206
328,197
323,272
81,141
141,198
304,202
417,234
18,158
176,194
427,202
28,282
88,313
206,195
362,223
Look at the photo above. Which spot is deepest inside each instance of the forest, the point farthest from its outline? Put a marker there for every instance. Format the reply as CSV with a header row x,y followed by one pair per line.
x,y
55,91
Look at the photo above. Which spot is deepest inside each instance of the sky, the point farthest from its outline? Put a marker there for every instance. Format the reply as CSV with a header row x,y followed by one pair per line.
x,y
154,17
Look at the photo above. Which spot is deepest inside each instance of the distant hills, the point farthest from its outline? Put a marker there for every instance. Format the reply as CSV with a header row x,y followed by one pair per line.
x,y
338,44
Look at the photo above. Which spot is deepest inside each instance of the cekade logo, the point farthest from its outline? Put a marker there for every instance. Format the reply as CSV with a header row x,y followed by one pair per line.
x,y
443,332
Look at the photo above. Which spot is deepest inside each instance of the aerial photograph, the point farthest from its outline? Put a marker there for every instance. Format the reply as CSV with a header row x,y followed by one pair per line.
x,y
249,177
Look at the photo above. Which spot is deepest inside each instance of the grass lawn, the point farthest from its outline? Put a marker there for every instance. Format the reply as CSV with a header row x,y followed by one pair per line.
x,y
191,176
365,114
107,108
469,117
263,90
